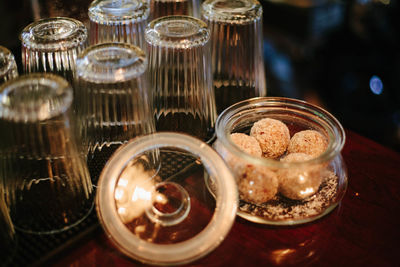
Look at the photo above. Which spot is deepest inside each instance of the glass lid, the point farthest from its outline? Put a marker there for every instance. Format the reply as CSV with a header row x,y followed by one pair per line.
x,y
154,202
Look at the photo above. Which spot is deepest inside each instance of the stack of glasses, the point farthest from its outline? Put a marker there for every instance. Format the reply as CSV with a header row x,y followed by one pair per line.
x,y
141,67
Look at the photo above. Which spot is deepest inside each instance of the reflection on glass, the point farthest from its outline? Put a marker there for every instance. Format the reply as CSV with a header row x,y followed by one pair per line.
x,y
8,67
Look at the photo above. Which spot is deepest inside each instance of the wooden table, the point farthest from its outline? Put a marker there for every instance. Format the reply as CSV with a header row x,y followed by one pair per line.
x,y
362,231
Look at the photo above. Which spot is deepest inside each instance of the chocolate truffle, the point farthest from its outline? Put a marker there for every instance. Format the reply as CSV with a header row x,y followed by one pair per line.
x,y
247,143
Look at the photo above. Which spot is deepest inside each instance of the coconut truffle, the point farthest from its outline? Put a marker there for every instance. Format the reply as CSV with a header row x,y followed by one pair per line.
x,y
247,143
309,142
299,182
257,184
273,136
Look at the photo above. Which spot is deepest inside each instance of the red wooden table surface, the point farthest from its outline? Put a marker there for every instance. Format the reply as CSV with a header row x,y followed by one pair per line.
x,y
363,231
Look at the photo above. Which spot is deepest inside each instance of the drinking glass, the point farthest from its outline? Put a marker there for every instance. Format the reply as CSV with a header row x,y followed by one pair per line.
x,y
118,21
162,8
47,184
179,63
112,100
7,231
8,67
236,48
52,45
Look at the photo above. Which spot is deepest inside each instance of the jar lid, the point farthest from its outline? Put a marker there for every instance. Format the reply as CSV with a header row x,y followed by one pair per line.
x,y
53,34
111,62
110,12
232,11
154,202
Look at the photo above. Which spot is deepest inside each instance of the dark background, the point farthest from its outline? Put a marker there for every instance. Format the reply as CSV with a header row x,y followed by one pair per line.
x,y
341,55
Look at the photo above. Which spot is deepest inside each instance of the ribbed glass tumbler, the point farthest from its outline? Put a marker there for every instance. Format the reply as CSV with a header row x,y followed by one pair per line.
x,y
47,184
8,67
7,232
162,8
52,45
237,49
112,100
121,21
179,63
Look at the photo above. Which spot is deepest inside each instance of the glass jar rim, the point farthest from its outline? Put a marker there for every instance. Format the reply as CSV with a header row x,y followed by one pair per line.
x,y
329,123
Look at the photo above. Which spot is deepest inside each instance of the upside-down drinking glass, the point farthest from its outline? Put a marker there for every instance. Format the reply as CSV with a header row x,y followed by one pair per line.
x,y
236,48
8,67
162,8
52,45
46,180
112,100
179,63
118,21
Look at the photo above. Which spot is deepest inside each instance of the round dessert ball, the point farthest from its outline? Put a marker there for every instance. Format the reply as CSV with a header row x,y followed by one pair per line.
x,y
247,143
299,182
273,136
257,184
310,142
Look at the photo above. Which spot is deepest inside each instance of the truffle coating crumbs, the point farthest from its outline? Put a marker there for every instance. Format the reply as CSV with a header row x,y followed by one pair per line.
x,y
310,142
247,143
273,136
257,184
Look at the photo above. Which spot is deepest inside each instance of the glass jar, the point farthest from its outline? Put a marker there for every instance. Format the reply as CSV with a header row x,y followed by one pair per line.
x,y
274,190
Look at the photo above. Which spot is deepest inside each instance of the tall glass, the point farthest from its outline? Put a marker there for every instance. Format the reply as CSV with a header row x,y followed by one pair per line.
x,y
112,100
162,8
236,48
118,21
46,180
8,67
179,63
52,45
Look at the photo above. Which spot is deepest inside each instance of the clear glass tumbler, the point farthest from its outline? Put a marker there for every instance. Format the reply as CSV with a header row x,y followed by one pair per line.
x,y
162,8
112,99
52,45
179,63
236,48
7,231
8,67
47,184
121,21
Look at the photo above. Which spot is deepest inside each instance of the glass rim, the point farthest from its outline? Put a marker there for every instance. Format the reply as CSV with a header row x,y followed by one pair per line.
x,y
74,34
39,110
111,73
250,12
328,122
168,32
97,14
